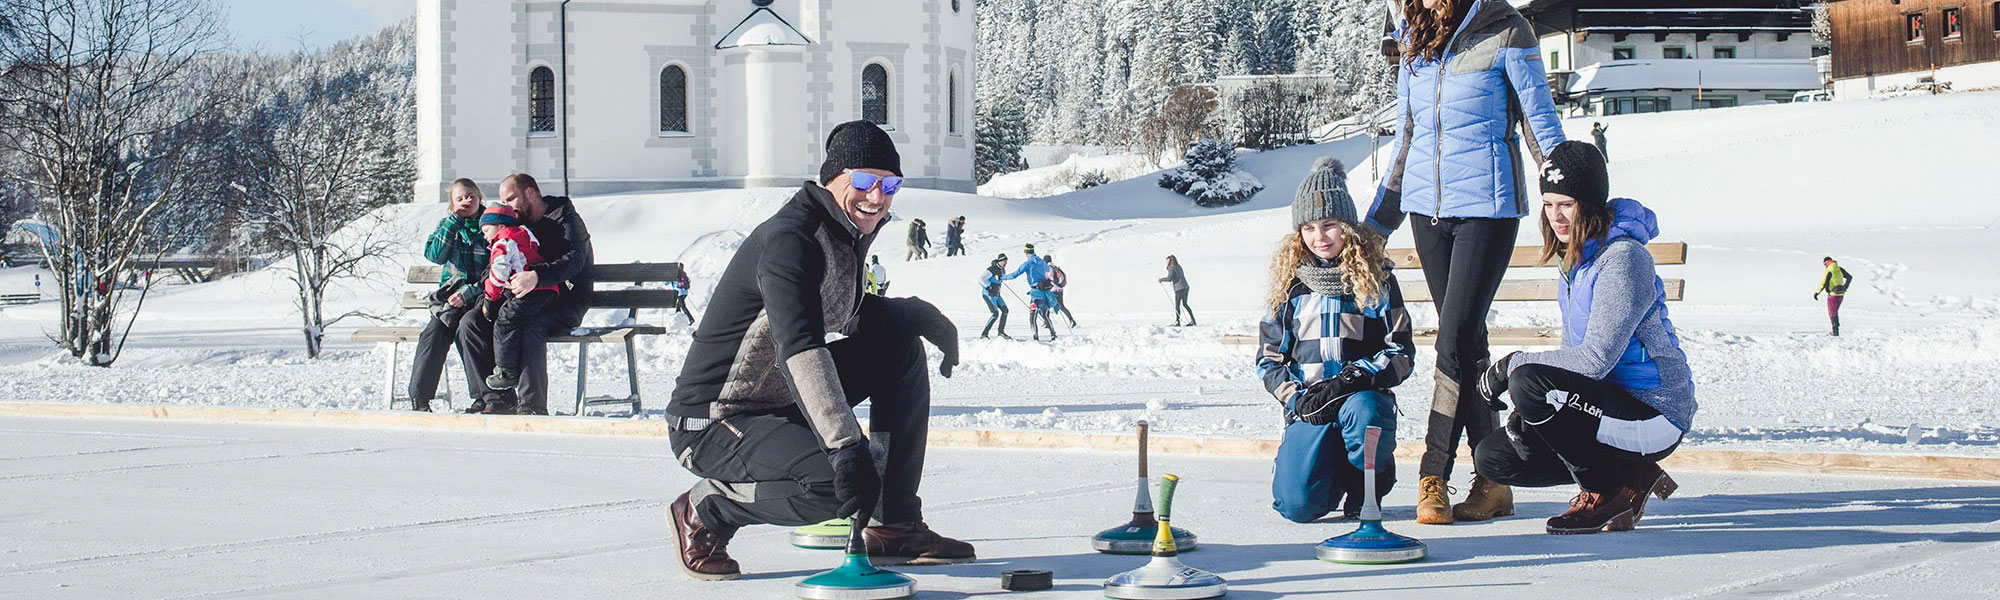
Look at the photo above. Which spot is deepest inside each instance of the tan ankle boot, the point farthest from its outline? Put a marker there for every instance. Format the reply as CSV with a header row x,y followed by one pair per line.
x,y
1433,501
1486,500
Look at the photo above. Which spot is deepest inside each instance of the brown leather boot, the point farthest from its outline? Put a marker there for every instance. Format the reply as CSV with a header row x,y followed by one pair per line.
x,y
1486,500
1649,478
703,552
1592,512
1433,501
913,543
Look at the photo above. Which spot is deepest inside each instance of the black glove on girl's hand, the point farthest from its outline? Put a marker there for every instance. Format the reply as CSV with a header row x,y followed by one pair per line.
x,y
1493,383
855,483
1319,404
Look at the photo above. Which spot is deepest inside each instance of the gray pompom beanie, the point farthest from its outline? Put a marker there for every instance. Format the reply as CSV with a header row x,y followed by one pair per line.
x,y
1323,194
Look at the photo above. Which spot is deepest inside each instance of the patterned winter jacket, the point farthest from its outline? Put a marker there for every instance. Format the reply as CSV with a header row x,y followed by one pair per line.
x,y
1458,150
1313,337
456,245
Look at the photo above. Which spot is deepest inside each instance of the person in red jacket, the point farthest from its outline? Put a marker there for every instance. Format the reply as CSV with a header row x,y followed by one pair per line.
x,y
513,249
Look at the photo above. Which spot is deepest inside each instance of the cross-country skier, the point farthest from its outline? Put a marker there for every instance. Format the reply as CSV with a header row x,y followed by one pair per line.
x,y
1178,278
1059,280
989,292
1038,291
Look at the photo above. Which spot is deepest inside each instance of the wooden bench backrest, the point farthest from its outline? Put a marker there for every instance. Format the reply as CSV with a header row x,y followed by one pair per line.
x,y
1664,253
612,273
1533,290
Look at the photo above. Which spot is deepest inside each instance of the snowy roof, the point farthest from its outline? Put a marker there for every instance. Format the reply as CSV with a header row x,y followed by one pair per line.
x,y
763,28
1688,74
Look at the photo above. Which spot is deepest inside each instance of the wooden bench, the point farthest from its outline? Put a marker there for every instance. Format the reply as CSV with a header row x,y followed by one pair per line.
x,y
1511,290
193,269
625,333
10,299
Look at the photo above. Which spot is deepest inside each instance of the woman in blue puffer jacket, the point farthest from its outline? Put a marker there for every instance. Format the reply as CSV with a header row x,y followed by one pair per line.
x,y
1470,91
1602,410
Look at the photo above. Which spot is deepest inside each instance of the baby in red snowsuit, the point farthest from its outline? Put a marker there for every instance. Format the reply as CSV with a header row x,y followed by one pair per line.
x,y
513,250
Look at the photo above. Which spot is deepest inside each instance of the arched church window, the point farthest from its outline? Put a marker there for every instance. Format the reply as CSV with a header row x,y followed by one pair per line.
x,y
951,92
541,100
875,94
673,100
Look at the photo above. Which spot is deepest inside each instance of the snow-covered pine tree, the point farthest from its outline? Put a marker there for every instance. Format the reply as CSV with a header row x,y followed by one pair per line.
x,y
1210,176
1001,131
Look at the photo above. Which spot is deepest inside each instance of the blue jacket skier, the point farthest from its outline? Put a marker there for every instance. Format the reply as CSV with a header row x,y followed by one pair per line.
x,y
1041,291
989,293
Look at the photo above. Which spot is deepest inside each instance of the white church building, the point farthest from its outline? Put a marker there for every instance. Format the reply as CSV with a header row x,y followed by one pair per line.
x,y
608,96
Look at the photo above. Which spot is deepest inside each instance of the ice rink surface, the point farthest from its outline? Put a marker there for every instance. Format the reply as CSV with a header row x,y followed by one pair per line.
x,y
144,509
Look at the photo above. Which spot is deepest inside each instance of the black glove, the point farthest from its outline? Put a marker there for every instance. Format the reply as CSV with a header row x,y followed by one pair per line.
x,y
1815,295
855,483
1493,383
1320,403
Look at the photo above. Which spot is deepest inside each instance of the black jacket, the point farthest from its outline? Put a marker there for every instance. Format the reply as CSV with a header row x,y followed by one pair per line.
x,y
763,344
566,257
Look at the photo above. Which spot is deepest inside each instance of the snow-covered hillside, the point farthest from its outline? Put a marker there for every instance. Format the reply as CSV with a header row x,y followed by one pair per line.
x,y
1900,190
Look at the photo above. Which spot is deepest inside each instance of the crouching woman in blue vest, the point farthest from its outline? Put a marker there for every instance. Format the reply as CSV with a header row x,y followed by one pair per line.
x,y
1617,397
1336,339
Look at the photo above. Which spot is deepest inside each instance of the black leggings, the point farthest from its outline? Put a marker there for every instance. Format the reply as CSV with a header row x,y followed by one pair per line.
x,y
1568,428
1464,260
1180,302
770,468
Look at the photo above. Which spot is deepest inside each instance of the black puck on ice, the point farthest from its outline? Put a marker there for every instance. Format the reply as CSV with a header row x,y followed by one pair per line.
x,y
1026,580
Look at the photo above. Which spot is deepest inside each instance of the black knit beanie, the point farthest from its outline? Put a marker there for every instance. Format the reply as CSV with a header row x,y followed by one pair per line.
x,y
1576,169
859,145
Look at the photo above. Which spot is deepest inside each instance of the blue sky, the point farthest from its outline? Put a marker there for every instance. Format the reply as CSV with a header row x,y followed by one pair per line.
x,y
277,25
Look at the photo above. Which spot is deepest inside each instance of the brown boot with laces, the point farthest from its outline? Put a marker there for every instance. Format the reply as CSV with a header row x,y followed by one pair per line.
x,y
1591,512
1433,501
1486,500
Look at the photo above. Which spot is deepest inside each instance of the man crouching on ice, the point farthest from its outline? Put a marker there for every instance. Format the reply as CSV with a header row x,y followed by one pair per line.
x,y
763,410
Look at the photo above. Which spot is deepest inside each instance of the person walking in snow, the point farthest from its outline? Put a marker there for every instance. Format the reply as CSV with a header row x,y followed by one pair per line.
x,y
1178,278
954,237
1617,397
1471,90
1335,340
1597,135
920,241
681,286
878,277
1059,280
1834,284
513,249
989,292
1039,298
456,245
763,411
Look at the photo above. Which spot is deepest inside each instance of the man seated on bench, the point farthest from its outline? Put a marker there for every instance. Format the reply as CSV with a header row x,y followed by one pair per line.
x,y
454,244
566,260
764,407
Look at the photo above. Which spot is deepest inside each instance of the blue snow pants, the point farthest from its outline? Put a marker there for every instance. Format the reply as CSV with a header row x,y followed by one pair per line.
x,y
1319,465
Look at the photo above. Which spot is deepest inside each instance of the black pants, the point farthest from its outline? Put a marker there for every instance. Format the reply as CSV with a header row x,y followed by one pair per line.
x,y
476,339
998,307
433,345
1568,428
1464,260
1063,303
1180,302
770,469
511,322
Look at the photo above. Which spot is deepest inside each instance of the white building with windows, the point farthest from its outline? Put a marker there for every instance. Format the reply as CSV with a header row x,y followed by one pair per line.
x,y
1609,57
606,96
